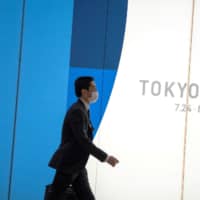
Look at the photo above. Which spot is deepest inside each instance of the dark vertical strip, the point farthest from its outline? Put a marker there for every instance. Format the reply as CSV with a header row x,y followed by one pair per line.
x,y
104,55
17,98
103,72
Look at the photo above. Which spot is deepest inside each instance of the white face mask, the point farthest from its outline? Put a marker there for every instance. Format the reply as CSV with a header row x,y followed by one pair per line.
x,y
94,97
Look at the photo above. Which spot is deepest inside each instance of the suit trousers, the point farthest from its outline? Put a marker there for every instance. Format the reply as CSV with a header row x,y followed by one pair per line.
x,y
79,182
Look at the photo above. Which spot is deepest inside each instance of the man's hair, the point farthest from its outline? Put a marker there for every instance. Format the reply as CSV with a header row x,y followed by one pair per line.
x,y
82,82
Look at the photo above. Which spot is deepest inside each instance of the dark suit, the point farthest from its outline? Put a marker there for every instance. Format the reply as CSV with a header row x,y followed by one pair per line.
x,y
76,145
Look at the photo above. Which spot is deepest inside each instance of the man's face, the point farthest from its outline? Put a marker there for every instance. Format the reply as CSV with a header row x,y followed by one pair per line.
x,y
88,94
92,87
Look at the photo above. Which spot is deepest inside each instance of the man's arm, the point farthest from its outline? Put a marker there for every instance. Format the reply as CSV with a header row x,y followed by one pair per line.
x,y
80,133
79,129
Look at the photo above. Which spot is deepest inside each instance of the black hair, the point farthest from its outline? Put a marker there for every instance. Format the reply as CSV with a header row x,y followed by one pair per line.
x,y
82,82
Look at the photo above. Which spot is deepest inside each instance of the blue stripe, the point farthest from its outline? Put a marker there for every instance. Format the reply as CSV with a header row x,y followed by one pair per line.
x,y
98,31
97,38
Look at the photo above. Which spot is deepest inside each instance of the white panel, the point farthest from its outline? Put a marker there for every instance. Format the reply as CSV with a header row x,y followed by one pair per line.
x,y
192,179
144,123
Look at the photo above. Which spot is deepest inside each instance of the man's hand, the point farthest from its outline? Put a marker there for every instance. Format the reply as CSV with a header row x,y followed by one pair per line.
x,y
112,160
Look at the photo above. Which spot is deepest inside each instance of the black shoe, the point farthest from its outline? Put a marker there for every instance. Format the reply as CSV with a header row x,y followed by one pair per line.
x,y
68,194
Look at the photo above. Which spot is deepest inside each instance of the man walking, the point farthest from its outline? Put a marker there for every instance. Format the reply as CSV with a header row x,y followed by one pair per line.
x,y
76,145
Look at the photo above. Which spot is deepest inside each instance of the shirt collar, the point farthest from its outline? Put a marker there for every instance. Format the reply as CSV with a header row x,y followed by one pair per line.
x,y
87,105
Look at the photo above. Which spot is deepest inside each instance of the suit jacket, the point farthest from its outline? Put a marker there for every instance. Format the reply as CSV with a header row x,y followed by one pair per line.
x,y
76,142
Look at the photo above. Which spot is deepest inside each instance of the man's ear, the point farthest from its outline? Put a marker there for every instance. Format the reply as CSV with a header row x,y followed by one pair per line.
x,y
83,92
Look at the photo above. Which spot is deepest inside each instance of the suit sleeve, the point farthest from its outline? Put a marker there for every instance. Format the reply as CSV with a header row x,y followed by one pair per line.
x,y
79,128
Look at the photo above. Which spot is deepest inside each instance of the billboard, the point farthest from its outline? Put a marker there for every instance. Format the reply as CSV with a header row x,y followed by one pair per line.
x,y
144,57
152,118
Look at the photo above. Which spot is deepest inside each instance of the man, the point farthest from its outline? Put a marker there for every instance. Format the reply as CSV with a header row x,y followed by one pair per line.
x,y
76,145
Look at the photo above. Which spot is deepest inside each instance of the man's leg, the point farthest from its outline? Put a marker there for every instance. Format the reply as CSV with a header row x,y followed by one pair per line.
x,y
82,187
60,182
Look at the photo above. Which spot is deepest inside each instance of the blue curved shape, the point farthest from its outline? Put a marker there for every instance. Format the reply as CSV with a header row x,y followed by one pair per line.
x,y
96,44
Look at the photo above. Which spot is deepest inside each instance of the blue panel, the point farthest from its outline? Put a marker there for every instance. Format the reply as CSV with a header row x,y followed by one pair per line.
x,y
89,26
117,10
10,16
43,93
98,31
97,38
107,86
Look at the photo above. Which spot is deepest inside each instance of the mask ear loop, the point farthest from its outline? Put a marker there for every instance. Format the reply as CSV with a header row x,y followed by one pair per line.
x,y
187,102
